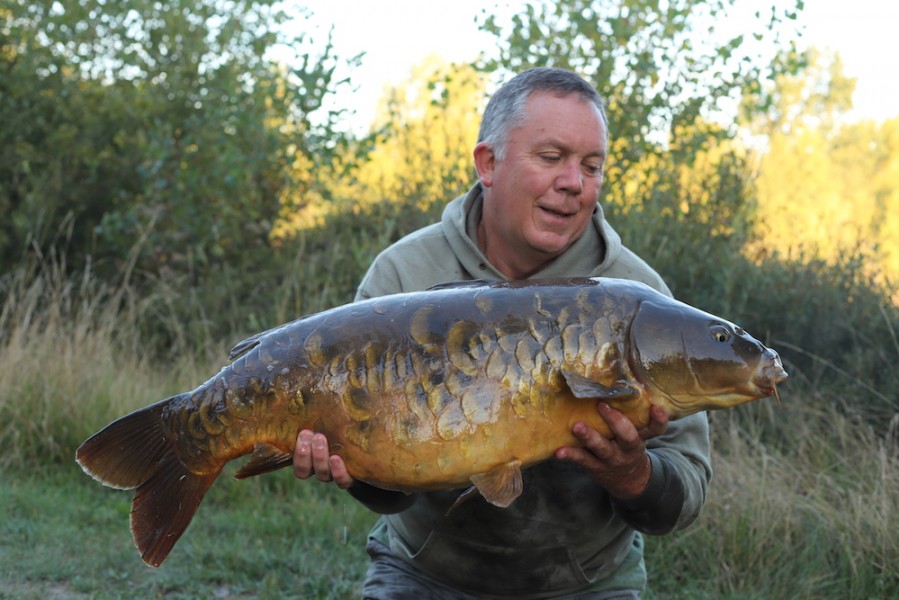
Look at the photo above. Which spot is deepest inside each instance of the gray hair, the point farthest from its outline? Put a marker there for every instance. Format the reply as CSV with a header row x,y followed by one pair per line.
x,y
506,108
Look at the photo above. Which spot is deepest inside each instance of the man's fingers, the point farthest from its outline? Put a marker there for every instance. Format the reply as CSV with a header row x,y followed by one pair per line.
x,y
623,431
597,449
311,456
320,463
658,423
338,471
621,464
302,455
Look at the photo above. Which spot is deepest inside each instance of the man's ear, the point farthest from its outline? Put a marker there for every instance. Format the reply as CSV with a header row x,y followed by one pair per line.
x,y
484,162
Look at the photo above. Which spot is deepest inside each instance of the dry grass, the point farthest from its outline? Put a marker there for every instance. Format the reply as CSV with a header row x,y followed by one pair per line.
x,y
814,514
70,361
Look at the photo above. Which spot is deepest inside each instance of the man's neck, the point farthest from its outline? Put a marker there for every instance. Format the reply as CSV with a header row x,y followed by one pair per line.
x,y
513,267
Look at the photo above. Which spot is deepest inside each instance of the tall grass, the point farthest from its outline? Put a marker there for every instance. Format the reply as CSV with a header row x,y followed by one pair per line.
x,y
814,515
68,358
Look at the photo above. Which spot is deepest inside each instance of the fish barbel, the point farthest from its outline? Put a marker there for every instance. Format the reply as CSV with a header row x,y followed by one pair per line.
x,y
464,384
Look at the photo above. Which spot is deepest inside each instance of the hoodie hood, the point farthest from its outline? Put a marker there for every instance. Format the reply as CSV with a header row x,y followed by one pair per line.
x,y
460,219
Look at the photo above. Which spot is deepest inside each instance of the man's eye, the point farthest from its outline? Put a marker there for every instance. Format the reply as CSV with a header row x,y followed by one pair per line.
x,y
593,170
550,157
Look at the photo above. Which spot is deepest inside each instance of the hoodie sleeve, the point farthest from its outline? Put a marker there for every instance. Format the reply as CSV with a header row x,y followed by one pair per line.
x,y
681,471
414,263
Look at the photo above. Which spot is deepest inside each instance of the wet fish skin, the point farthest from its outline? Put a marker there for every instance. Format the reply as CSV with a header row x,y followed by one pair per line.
x,y
430,390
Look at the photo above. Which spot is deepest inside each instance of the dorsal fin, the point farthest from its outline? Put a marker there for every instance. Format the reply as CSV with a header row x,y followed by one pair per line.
x,y
453,285
244,346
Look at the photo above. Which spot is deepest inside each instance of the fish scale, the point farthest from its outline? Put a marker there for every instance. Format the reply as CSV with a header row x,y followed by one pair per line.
x,y
462,385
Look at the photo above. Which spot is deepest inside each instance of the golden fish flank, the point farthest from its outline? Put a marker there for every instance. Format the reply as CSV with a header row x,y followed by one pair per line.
x,y
464,384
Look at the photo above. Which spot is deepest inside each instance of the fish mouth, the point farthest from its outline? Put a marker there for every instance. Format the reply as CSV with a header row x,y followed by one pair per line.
x,y
769,373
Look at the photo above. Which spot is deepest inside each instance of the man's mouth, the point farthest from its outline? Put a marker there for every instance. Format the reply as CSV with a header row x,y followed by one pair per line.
x,y
561,214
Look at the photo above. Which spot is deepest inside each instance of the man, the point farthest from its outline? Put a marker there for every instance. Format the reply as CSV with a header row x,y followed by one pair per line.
x,y
575,530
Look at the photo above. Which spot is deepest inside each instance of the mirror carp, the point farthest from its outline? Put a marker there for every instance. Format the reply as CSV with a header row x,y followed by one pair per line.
x,y
462,384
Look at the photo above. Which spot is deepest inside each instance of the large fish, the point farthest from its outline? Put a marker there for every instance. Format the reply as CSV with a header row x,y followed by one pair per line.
x,y
465,384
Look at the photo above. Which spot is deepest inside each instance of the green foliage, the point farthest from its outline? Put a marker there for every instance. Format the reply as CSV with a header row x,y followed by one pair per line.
x,y
171,123
430,126
419,155
315,270
651,61
825,187
804,89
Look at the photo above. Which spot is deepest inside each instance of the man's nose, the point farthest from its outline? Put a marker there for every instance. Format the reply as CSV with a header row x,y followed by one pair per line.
x,y
570,179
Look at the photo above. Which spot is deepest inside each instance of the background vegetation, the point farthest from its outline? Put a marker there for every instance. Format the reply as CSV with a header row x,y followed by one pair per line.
x,y
170,181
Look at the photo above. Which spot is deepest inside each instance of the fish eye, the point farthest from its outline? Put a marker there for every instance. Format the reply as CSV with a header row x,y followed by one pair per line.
x,y
720,333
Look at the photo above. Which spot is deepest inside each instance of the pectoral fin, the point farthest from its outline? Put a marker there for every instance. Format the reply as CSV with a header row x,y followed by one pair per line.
x,y
502,485
583,387
265,459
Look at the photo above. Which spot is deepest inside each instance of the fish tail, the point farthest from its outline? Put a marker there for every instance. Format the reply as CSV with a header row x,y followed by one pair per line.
x,y
134,452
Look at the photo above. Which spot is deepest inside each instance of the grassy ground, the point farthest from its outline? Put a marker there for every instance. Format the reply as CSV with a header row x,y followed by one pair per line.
x,y
64,536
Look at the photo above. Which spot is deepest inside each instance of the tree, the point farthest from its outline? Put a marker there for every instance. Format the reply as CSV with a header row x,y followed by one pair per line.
x,y
888,198
430,127
161,129
657,70
827,188
807,89
421,151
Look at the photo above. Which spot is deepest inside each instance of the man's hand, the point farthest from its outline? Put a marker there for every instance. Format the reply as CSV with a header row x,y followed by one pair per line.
x,y
620,464
311,457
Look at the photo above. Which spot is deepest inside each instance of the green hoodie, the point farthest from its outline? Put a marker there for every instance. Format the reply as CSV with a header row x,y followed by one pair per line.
x,y
445,252
564,534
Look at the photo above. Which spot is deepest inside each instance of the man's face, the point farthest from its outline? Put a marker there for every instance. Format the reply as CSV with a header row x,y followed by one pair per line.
x,y
539,197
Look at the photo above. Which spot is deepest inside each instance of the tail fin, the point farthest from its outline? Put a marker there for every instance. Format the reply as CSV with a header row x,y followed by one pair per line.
x,y
135,452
